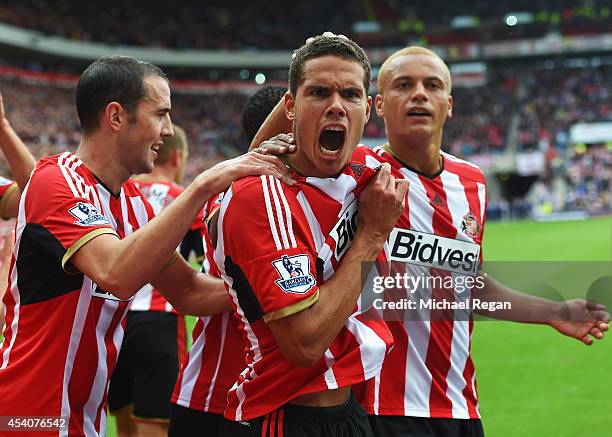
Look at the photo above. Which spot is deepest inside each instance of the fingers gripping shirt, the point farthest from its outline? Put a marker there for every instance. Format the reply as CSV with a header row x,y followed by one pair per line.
x,y
276,245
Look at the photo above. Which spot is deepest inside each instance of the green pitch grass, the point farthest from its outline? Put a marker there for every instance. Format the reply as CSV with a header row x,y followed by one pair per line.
x,y
532,381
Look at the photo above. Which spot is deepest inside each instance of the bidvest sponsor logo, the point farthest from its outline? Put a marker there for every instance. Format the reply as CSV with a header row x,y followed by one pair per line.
x,y
344,230
429,250
98,292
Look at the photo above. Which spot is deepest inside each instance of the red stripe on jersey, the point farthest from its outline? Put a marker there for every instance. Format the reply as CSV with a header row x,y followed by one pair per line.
x,y
281,416
158,302
441,336
468,375
181,339
111,356
265,425
83,375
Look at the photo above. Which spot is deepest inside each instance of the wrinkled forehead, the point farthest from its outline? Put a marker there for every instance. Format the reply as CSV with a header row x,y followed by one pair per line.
x,y
333,71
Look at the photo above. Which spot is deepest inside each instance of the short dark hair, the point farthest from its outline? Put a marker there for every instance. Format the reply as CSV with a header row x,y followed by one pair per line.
x,y
257,108
324,46
111,79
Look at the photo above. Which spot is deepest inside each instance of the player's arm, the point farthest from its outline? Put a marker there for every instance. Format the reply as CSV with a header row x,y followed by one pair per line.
x,y
304,336
122,267
575,318
191,292
19,158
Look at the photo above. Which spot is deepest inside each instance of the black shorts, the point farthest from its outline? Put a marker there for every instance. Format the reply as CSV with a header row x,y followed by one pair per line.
x,y
346,420
185,422
148,364
400,426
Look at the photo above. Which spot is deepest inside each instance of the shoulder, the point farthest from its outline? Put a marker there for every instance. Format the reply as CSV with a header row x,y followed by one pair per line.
x,y
56,170
463,168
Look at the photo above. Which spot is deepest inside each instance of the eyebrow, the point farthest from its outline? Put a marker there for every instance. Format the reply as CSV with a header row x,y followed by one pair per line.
x,y
428,78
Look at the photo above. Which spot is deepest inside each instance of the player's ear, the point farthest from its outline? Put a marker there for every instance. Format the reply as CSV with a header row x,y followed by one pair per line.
x,y
449,113
368,108
378,102
115,116
289,106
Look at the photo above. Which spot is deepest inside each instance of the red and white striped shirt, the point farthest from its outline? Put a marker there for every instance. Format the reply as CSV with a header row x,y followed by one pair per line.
x,y
159,195
430,372
276,244
217,353
63,332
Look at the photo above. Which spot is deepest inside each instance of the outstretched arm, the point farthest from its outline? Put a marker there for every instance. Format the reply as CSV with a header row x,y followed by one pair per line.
x,y
19,158
577,318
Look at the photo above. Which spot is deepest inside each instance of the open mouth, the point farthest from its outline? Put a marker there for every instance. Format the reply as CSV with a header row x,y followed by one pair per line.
x,y
419,112
331,140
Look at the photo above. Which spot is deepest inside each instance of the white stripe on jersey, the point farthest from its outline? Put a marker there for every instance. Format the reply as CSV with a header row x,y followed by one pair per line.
x,y
105,204
220,261
482,197
21,223
194,365
421,212
330,378
140,210
458,205
64,170
456,201
127,226
313,223
376,350
279,212
98,387
279,187
224,322
270,212
458,359
75,336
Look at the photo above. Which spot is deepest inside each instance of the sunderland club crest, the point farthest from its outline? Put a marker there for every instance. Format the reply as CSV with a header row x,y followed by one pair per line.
x,y
294,272
470,225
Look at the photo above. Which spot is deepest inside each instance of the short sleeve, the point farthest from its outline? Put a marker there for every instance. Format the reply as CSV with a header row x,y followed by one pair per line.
x,y
267,240
55,207
7,188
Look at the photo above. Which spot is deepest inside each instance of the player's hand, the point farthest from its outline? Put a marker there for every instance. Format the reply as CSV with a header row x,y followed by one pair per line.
x,y
281,144
327,34
381,203
219,177
582,320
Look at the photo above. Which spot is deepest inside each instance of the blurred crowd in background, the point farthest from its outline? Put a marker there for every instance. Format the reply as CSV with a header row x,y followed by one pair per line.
x,y
271,24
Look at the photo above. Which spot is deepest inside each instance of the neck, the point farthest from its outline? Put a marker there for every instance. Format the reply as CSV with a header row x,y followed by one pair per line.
x,y
420,154
101,158
160,173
